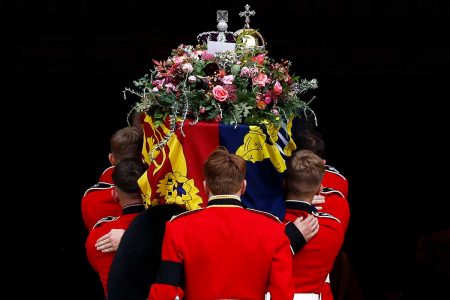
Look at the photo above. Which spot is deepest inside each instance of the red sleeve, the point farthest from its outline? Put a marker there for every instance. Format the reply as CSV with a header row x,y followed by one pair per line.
x,y
100,262
338,207
281,284
335,181
171,272
97,204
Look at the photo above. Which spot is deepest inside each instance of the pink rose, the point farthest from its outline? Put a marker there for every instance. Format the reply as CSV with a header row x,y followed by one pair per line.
x,y
219,93
277,88
260,80
259,59
187,68
178,59
228,79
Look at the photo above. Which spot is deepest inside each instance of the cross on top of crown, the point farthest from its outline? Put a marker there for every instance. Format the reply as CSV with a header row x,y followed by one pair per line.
x,y
247,13
222,15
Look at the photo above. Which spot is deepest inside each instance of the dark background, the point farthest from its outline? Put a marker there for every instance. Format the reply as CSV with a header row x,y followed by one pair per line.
x,y
382,68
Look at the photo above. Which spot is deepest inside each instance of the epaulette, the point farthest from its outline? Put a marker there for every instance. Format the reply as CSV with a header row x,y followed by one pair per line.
x,y
325,215
264,213
105,219
333,170
328,190
99,186
185,213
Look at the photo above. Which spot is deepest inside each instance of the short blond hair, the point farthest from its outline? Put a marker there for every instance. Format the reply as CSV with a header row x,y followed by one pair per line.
x,y
304,173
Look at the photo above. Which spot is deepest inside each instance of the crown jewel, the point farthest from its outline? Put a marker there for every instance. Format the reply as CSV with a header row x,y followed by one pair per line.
x,y
221,35
248,38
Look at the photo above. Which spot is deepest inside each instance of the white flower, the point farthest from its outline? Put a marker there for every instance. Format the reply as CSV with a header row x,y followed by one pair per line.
x,y
192,79
187,68
228,79
170,87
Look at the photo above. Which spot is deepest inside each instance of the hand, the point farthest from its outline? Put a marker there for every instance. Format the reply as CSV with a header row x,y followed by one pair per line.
x,y
110,241
308,227
318,199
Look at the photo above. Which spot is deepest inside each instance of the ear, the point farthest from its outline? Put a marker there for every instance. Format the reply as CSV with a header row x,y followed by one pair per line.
x,y
114,195
320,189
112,160
205,187
324,161
243,186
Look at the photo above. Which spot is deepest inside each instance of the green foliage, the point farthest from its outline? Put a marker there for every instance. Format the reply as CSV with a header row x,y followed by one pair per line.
x,y
246,86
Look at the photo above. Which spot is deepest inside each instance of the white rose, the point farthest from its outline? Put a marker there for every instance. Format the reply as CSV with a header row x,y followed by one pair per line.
x,y
192,79
187,68
228,79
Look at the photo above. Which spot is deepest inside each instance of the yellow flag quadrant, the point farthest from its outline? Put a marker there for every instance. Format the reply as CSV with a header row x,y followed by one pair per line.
x,y
174,187
255,148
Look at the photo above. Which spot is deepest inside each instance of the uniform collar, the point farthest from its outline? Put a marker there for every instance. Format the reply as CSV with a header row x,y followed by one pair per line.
x,y
224,200
133,209
300,205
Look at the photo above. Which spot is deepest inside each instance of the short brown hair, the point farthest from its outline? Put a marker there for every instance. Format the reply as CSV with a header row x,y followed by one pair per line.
x,y
127,142
224,172
304,172
126,174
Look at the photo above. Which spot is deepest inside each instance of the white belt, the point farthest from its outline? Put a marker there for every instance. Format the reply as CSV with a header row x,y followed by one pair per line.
x,y
300,296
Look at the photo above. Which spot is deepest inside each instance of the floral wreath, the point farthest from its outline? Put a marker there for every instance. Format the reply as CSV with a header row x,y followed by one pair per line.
x,y
245,86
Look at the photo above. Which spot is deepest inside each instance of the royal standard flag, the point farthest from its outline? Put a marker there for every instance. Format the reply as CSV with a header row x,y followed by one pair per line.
x,y
175,173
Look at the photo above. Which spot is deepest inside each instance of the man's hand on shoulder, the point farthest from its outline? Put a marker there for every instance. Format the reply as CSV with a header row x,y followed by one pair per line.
x,y
318,199
308,227
110,241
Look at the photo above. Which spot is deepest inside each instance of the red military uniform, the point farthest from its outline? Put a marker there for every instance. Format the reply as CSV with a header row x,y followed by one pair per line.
x,y
336,205
224,252
312,264
97,203
101,262
333,179
106,176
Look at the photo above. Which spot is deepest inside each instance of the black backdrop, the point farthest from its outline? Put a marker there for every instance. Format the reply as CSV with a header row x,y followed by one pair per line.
x,y
382,68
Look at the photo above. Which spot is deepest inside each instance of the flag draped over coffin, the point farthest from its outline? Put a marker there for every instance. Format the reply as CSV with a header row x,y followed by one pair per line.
x,y
175,174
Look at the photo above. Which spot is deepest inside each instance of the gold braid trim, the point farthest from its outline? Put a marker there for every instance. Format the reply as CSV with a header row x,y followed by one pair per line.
x,y
236,206
224,197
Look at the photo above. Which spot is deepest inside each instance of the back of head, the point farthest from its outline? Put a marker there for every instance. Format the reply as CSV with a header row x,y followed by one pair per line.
x,y
127,142
126,174
224,172
304,173
311,140
306,121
